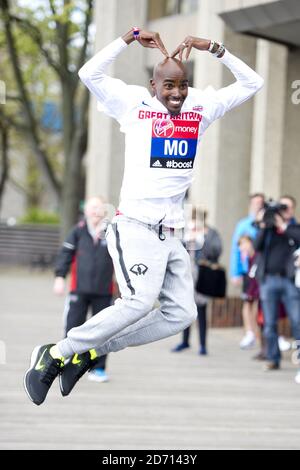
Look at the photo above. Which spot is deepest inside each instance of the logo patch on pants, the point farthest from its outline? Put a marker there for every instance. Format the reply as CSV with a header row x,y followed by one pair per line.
x,y
139,269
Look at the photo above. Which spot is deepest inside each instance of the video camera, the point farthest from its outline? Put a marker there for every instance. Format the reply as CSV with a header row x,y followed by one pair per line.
x,y
272,208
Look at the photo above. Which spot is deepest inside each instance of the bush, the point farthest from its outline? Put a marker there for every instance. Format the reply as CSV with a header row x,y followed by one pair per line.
x,y
37,216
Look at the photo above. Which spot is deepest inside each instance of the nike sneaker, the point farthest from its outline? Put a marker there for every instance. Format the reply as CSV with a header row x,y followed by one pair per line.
x,y
78,365
41,374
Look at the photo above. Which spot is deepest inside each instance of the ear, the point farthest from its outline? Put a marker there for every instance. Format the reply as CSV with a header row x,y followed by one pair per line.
x,y
153,86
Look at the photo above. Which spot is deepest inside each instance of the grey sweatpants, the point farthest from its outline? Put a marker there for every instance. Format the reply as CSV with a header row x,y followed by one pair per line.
x,y
147,269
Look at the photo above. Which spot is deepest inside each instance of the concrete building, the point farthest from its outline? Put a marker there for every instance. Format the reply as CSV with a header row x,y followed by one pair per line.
x,y
253,148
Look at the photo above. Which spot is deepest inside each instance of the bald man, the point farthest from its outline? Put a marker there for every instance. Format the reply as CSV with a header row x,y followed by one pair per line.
x,y
162,132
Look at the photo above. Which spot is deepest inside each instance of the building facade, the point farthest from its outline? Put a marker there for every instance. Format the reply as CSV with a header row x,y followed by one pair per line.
x,y
254,147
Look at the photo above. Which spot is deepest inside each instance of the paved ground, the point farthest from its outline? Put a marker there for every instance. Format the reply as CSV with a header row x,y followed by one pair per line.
x,y
155,399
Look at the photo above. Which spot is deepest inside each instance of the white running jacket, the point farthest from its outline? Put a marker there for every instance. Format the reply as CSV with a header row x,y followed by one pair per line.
x,y
159,149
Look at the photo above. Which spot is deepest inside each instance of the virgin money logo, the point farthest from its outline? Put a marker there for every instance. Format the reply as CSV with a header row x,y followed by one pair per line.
x,y
163,128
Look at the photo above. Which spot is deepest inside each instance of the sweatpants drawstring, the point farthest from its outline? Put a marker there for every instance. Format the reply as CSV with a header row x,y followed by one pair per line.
x,y
161,235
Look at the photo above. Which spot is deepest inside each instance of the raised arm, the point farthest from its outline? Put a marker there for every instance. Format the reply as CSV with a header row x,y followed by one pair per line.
x,y
110,92
64,260
113,93
248,82
66,254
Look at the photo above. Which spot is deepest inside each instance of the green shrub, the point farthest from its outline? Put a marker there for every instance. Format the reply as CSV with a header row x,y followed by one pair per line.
x,y
35,215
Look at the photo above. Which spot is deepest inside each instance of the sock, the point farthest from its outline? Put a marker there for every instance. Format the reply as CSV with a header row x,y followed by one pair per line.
x,y
55,353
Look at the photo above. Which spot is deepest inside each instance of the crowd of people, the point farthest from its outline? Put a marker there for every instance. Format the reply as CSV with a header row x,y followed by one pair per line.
x,y
264,262
264,265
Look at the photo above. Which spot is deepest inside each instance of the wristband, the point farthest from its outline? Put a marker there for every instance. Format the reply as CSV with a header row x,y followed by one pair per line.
x,y
219,51
135,32
211,46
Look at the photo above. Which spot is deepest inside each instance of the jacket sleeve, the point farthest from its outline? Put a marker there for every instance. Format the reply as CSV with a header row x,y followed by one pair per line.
x,y
293,232
236,269
259,242
248,82
66,253
111,93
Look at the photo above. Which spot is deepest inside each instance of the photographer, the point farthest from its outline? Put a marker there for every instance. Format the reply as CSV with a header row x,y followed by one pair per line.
x,y
276,243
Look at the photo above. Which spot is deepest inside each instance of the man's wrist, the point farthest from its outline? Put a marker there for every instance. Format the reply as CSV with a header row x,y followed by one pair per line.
x,y
213,46
136,32
129,37
217,49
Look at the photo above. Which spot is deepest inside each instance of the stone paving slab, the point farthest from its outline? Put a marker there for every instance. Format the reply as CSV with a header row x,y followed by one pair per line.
x,y
155,399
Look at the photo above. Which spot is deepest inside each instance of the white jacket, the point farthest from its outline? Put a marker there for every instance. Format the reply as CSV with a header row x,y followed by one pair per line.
x,y
160,149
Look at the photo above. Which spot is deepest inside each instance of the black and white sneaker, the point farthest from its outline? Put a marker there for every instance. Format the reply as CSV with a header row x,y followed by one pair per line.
x,y
41,374
78,365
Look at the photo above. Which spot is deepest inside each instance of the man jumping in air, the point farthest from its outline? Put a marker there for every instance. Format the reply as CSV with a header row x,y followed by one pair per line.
x,y
162,130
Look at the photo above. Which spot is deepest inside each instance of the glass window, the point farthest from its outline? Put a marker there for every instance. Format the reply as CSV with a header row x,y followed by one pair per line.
x,y
171,7
188,6
160,8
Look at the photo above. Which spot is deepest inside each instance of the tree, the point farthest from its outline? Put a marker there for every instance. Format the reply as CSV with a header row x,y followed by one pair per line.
x,y
59,32
4,167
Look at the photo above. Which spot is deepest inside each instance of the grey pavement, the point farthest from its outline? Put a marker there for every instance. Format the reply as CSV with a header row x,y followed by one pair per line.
x,y
155,399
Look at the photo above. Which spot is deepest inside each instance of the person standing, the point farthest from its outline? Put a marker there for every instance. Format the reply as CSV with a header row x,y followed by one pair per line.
x,y
85,256
277,243
239,264
203,244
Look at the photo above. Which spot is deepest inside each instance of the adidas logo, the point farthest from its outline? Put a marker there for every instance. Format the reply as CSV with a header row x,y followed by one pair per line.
x,y
157,164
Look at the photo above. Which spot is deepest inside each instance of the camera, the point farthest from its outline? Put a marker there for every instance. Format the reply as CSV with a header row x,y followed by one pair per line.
x,y
271,209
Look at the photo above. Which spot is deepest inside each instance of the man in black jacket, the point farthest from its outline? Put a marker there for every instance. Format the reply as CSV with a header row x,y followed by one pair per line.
x,y
276,246
84,253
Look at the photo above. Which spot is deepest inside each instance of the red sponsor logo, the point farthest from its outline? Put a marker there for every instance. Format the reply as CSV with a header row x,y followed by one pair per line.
x,y
163,128
167,129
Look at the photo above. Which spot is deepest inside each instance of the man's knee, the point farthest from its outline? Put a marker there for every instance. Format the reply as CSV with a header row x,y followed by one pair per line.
x,y
140,305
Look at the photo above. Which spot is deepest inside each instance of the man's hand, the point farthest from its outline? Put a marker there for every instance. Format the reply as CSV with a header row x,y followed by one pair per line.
x,y
147,39
188,43
280,224
237,281
59,286
152,40
260,216
259,219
